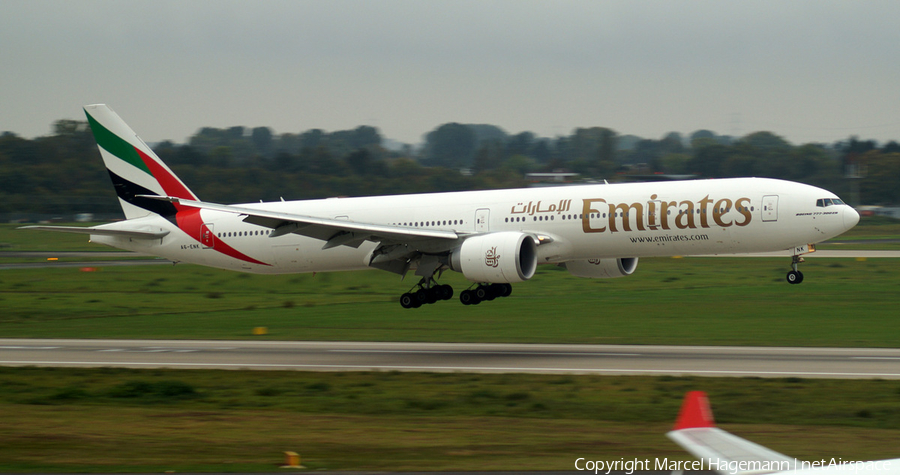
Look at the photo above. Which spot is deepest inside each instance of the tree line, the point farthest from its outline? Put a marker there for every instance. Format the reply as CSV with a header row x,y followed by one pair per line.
x,y
63,173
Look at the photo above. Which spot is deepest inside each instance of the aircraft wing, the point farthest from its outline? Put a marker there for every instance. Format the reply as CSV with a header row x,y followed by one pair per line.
x,y
334,232
695,431
101,231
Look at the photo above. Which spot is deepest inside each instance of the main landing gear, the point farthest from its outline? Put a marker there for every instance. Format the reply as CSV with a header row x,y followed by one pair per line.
x,y
484,292
795,276
429,291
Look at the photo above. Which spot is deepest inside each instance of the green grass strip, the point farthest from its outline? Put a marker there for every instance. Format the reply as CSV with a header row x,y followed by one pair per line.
x,y
121,420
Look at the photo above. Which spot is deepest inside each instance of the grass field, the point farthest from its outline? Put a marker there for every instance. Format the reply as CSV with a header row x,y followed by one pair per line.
x,y
729,301
117,420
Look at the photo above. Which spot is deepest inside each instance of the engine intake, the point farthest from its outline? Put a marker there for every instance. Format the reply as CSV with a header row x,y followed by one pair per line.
x,y
602,268
496,258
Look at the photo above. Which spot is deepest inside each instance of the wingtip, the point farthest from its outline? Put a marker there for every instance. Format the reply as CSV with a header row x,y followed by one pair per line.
x,y
695,412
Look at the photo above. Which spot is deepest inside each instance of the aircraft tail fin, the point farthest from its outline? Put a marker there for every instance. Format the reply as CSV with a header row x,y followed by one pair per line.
x,y
695,412
696,431
133,167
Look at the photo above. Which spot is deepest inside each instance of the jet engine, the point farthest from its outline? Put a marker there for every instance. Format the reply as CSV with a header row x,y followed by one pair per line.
x,y
602,268
496,258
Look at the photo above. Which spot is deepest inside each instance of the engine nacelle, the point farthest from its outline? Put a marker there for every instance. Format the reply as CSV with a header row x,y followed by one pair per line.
x,y
496,258
602,268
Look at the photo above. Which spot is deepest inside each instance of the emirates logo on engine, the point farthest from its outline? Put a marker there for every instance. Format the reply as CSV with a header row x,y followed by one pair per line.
x,y
596,262
491,258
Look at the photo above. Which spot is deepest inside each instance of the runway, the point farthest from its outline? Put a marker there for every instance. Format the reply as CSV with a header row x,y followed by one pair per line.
x,y
770,362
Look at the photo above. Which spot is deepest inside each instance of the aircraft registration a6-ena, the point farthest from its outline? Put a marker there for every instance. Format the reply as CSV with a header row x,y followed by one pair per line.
x,y
494,238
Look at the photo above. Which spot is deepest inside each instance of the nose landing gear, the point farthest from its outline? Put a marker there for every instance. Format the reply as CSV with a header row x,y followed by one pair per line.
x,y
795,276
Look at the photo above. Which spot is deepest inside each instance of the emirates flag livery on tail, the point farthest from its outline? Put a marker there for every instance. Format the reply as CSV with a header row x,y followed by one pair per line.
x,y
494,238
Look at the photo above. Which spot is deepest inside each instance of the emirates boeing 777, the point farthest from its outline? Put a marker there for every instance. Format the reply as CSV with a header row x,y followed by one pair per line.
x,y
494,238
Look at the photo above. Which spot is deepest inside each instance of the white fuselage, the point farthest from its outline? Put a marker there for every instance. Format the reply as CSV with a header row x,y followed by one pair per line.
x,y
582,222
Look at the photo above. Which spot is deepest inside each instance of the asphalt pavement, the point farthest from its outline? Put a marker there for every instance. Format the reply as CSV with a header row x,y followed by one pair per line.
x,y
770,362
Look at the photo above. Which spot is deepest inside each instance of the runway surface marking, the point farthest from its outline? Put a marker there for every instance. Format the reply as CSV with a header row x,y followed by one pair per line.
x,y
29,347
464,369
457,357
438,352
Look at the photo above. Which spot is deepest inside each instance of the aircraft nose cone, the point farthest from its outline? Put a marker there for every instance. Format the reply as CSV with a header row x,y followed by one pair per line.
x,y
851,217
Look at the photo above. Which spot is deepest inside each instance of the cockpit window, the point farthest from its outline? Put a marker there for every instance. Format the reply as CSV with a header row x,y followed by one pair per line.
x,y
823,202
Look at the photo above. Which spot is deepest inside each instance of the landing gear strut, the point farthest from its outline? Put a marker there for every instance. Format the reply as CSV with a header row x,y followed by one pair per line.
x,y
484,292
429,291
795,276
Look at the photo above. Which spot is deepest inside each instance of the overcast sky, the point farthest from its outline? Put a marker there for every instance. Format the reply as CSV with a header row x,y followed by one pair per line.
x,y
810,71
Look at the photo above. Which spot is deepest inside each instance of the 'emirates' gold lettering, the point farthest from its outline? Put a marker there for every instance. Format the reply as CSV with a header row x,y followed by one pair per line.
x,y
586,211
704,223
628,217
685,219
722,206
742,208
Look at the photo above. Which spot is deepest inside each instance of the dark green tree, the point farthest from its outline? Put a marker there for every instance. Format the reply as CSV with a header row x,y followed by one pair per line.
x,y
262,140
450,145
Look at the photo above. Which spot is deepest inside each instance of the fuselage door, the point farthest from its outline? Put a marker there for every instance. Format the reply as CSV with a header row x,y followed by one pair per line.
x,y
208,236
770,208
652,217
482,216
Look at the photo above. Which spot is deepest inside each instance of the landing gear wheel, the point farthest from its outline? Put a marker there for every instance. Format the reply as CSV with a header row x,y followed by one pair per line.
x,y
426,291
445,292
502,290
432,295
468,297
794,277
408,300
481,293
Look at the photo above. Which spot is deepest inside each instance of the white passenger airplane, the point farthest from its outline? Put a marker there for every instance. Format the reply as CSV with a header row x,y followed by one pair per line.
x,y
494,238
728,454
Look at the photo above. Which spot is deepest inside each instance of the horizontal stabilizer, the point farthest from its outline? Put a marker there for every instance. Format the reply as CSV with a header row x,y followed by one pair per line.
x,y
100,231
